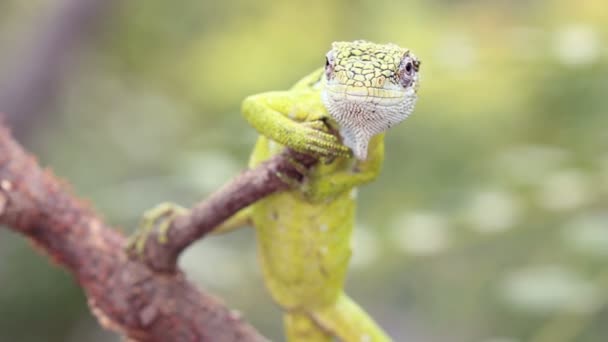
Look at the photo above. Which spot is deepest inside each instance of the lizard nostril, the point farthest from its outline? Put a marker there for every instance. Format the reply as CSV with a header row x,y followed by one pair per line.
x,y
379,81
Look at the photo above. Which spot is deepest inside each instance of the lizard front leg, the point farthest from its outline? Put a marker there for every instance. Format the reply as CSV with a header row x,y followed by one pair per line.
x,y
294,119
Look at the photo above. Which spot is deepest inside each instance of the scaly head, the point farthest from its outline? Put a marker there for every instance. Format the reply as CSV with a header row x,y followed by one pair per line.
x,y
370,87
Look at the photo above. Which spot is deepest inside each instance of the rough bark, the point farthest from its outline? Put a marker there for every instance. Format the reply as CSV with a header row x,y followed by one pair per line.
x,y
140,302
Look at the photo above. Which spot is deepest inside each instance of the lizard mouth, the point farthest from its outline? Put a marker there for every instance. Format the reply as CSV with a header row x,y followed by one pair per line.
x,y
377,96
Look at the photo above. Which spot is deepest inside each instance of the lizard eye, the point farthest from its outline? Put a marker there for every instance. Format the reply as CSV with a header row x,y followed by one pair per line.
x,y
329,64
407,70
409,67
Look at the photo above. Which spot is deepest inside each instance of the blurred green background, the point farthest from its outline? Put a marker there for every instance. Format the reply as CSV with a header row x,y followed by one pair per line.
x,y
488,223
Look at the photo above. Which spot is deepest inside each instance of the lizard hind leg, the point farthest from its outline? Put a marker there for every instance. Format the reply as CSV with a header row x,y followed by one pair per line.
x,y
299,327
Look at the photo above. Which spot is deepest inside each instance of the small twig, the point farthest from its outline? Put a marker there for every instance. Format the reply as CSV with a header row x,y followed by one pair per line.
x,y
243,190
125,295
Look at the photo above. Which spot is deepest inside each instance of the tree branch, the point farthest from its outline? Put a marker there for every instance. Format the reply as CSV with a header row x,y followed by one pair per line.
x,y
246,188
125,295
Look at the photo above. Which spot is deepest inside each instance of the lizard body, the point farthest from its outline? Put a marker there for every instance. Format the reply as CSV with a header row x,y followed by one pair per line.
x,y
339,114
304,235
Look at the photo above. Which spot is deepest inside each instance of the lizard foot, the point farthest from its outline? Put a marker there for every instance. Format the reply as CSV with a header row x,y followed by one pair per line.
x,y
320,142
157,219
290,180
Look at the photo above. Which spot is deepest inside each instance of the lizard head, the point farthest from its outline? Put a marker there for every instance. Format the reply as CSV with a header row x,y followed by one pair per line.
x,y
369,88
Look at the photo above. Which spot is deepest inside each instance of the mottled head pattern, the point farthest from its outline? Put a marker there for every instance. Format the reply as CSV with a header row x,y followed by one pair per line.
x,y
370,87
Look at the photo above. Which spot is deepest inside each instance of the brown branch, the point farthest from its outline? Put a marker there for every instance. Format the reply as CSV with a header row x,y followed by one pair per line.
x,y
125,295
243,190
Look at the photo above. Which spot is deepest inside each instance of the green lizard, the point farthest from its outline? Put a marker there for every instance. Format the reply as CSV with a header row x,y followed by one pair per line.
x,y
304,235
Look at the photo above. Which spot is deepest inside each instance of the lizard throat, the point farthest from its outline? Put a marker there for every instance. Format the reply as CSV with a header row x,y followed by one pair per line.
x,y
361,119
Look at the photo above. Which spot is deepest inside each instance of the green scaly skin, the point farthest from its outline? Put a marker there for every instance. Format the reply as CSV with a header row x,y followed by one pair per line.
x,y
304,235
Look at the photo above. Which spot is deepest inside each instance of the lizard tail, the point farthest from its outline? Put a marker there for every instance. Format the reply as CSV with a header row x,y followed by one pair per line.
x,y
349,322
299,327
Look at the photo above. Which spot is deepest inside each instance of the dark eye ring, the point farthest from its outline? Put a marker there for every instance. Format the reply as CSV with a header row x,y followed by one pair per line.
x,y
326,62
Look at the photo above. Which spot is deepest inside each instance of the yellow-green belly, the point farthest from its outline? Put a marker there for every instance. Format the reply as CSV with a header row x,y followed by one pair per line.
x,y
304,248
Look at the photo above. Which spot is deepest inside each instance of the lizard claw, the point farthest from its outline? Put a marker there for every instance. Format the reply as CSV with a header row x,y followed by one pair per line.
x,y
319,125
157,219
